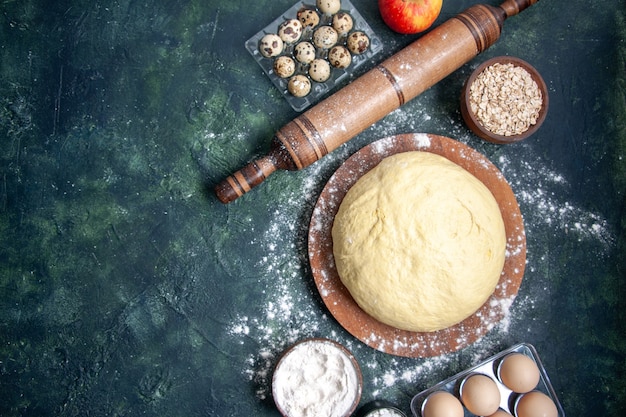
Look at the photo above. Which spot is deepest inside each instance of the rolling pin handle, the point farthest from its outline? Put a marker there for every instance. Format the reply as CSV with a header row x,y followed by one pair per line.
x,y
245,179
513,7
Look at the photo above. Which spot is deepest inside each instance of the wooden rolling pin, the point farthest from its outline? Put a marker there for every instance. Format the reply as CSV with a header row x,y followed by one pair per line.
x,y
369,98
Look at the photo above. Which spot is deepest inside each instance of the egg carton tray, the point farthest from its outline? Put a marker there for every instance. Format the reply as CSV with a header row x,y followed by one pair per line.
x,y
337,75
489,367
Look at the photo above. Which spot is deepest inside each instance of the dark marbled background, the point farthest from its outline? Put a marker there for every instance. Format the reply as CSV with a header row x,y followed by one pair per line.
x,y
127,289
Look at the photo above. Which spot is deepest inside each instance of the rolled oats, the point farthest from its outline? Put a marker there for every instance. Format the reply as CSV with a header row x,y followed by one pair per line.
x,y
505,99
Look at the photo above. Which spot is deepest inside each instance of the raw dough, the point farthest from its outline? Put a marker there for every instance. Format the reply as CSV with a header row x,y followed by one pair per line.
x,y
419,242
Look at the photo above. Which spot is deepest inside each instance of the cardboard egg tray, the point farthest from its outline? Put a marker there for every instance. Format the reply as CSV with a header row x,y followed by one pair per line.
x,y
337,75
489,367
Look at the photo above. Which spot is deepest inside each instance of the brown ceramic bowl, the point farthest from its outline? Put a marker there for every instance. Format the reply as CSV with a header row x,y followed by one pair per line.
x,y
473,122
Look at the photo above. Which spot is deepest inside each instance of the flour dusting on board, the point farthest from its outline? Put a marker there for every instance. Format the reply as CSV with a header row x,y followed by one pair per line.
x,y
292,310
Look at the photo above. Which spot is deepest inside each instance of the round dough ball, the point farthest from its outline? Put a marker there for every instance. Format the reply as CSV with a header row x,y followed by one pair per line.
x,y
329,6
342,23
419,242
304,52
271,45
309,18
325,37
339,57
299,86
290,31
319,70
284,66
358,42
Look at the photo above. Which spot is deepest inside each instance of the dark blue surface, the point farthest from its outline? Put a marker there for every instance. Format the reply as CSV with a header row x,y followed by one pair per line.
x,y
127,289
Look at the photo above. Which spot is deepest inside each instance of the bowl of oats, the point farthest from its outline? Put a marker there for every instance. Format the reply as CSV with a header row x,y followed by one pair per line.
x,y
504,100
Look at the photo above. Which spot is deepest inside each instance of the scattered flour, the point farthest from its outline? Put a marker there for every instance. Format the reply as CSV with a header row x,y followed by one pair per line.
x,y
548,206
291,311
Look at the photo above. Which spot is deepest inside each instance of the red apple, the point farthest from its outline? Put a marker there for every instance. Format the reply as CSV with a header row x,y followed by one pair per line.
x,y
409,16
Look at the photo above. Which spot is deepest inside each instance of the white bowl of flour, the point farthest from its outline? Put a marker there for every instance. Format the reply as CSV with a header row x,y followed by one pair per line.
x,y
317,377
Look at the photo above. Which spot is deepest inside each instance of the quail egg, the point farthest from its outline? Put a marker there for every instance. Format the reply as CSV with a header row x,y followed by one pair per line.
x,y
329,6
319,70
358,42
339,57
290,31
271,45
299,85
309,18
304,52
284,66
325,37
342,23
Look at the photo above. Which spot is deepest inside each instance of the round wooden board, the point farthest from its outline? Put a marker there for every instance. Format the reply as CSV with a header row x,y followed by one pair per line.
x,y
339,301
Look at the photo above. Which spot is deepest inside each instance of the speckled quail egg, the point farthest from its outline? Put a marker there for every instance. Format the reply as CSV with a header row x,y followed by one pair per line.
x,y
304,52
309,18
271,45
328,6
299,85
290,31
325,37
342,23
319,70
358,42
284,66
339,57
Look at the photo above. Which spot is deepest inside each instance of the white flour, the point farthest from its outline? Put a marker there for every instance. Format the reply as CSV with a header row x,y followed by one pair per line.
x,y
384,413
315,379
